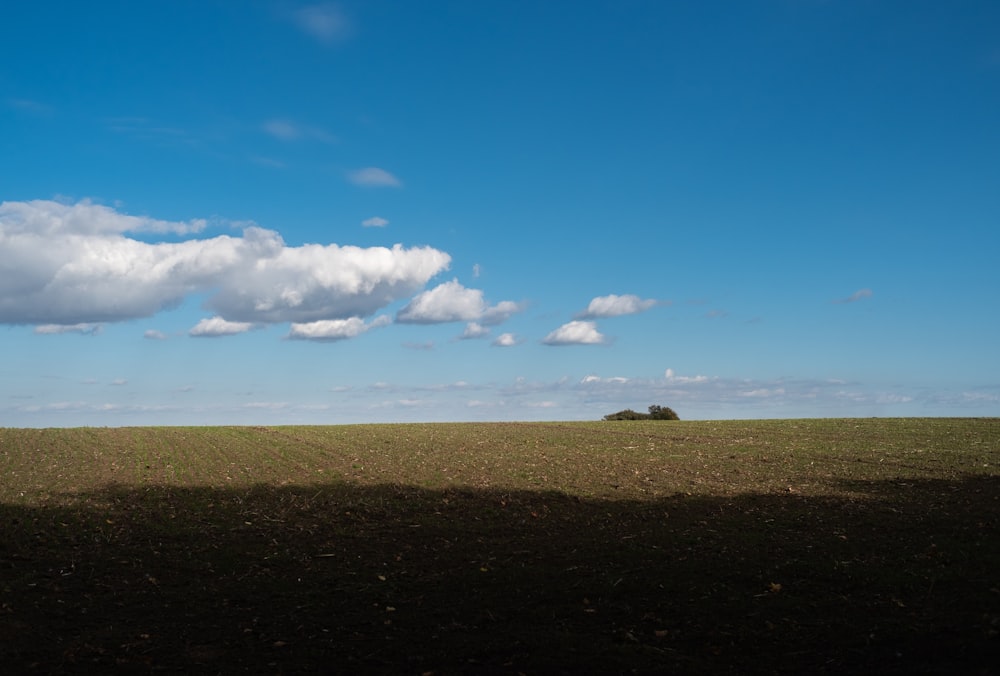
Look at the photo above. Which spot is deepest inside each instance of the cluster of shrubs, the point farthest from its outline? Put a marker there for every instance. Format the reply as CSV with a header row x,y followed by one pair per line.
x,y
655,413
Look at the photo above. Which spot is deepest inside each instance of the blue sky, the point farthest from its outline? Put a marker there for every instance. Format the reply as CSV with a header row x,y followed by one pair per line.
x,y
284,212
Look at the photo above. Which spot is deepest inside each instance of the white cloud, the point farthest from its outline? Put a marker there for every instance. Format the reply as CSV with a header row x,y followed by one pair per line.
x,y
500,312
615,306
374,177
671,377
375,222
86,329
75,264
505,340
616,380
55,219
860,294
315,282
986,397
576,333
893,398
119,382
474,330
153,334
452,302
763,392
330,330
325,22
217,326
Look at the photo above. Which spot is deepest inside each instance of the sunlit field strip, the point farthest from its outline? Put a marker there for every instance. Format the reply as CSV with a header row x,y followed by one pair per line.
x,y
625,459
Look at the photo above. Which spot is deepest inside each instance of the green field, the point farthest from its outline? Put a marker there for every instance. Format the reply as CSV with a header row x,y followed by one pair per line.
x,y
796,546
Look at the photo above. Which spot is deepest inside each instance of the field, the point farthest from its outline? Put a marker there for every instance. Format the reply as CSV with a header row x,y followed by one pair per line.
x,y
797,546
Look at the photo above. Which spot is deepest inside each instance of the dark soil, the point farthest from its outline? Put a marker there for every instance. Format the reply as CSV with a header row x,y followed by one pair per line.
x,y
879,576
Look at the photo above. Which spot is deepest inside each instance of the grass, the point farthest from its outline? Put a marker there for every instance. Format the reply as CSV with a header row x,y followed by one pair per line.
x,y
798,546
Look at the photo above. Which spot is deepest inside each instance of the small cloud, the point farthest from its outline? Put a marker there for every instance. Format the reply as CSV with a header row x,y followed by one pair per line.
x,y
119,382
614,380
331,330
373,177
501,312
476,270
673,378
716,314
505,340
375,222
615,306
474,330
325,22
763,393
84,329
576,333
860,294
153,334
217,326
452,302
543,404
892,398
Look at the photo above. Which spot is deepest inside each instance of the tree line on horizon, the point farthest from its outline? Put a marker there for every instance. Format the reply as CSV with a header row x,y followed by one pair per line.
x,y
655,413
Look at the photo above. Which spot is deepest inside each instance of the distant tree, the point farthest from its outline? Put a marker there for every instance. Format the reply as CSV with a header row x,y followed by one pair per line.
x,y
655,413
627,414
662,413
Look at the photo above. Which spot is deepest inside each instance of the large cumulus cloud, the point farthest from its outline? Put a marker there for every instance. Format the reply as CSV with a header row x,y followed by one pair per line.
x,y
73,264
314,282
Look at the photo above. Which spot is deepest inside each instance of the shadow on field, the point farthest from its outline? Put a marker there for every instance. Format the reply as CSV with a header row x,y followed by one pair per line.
x,y
887,577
